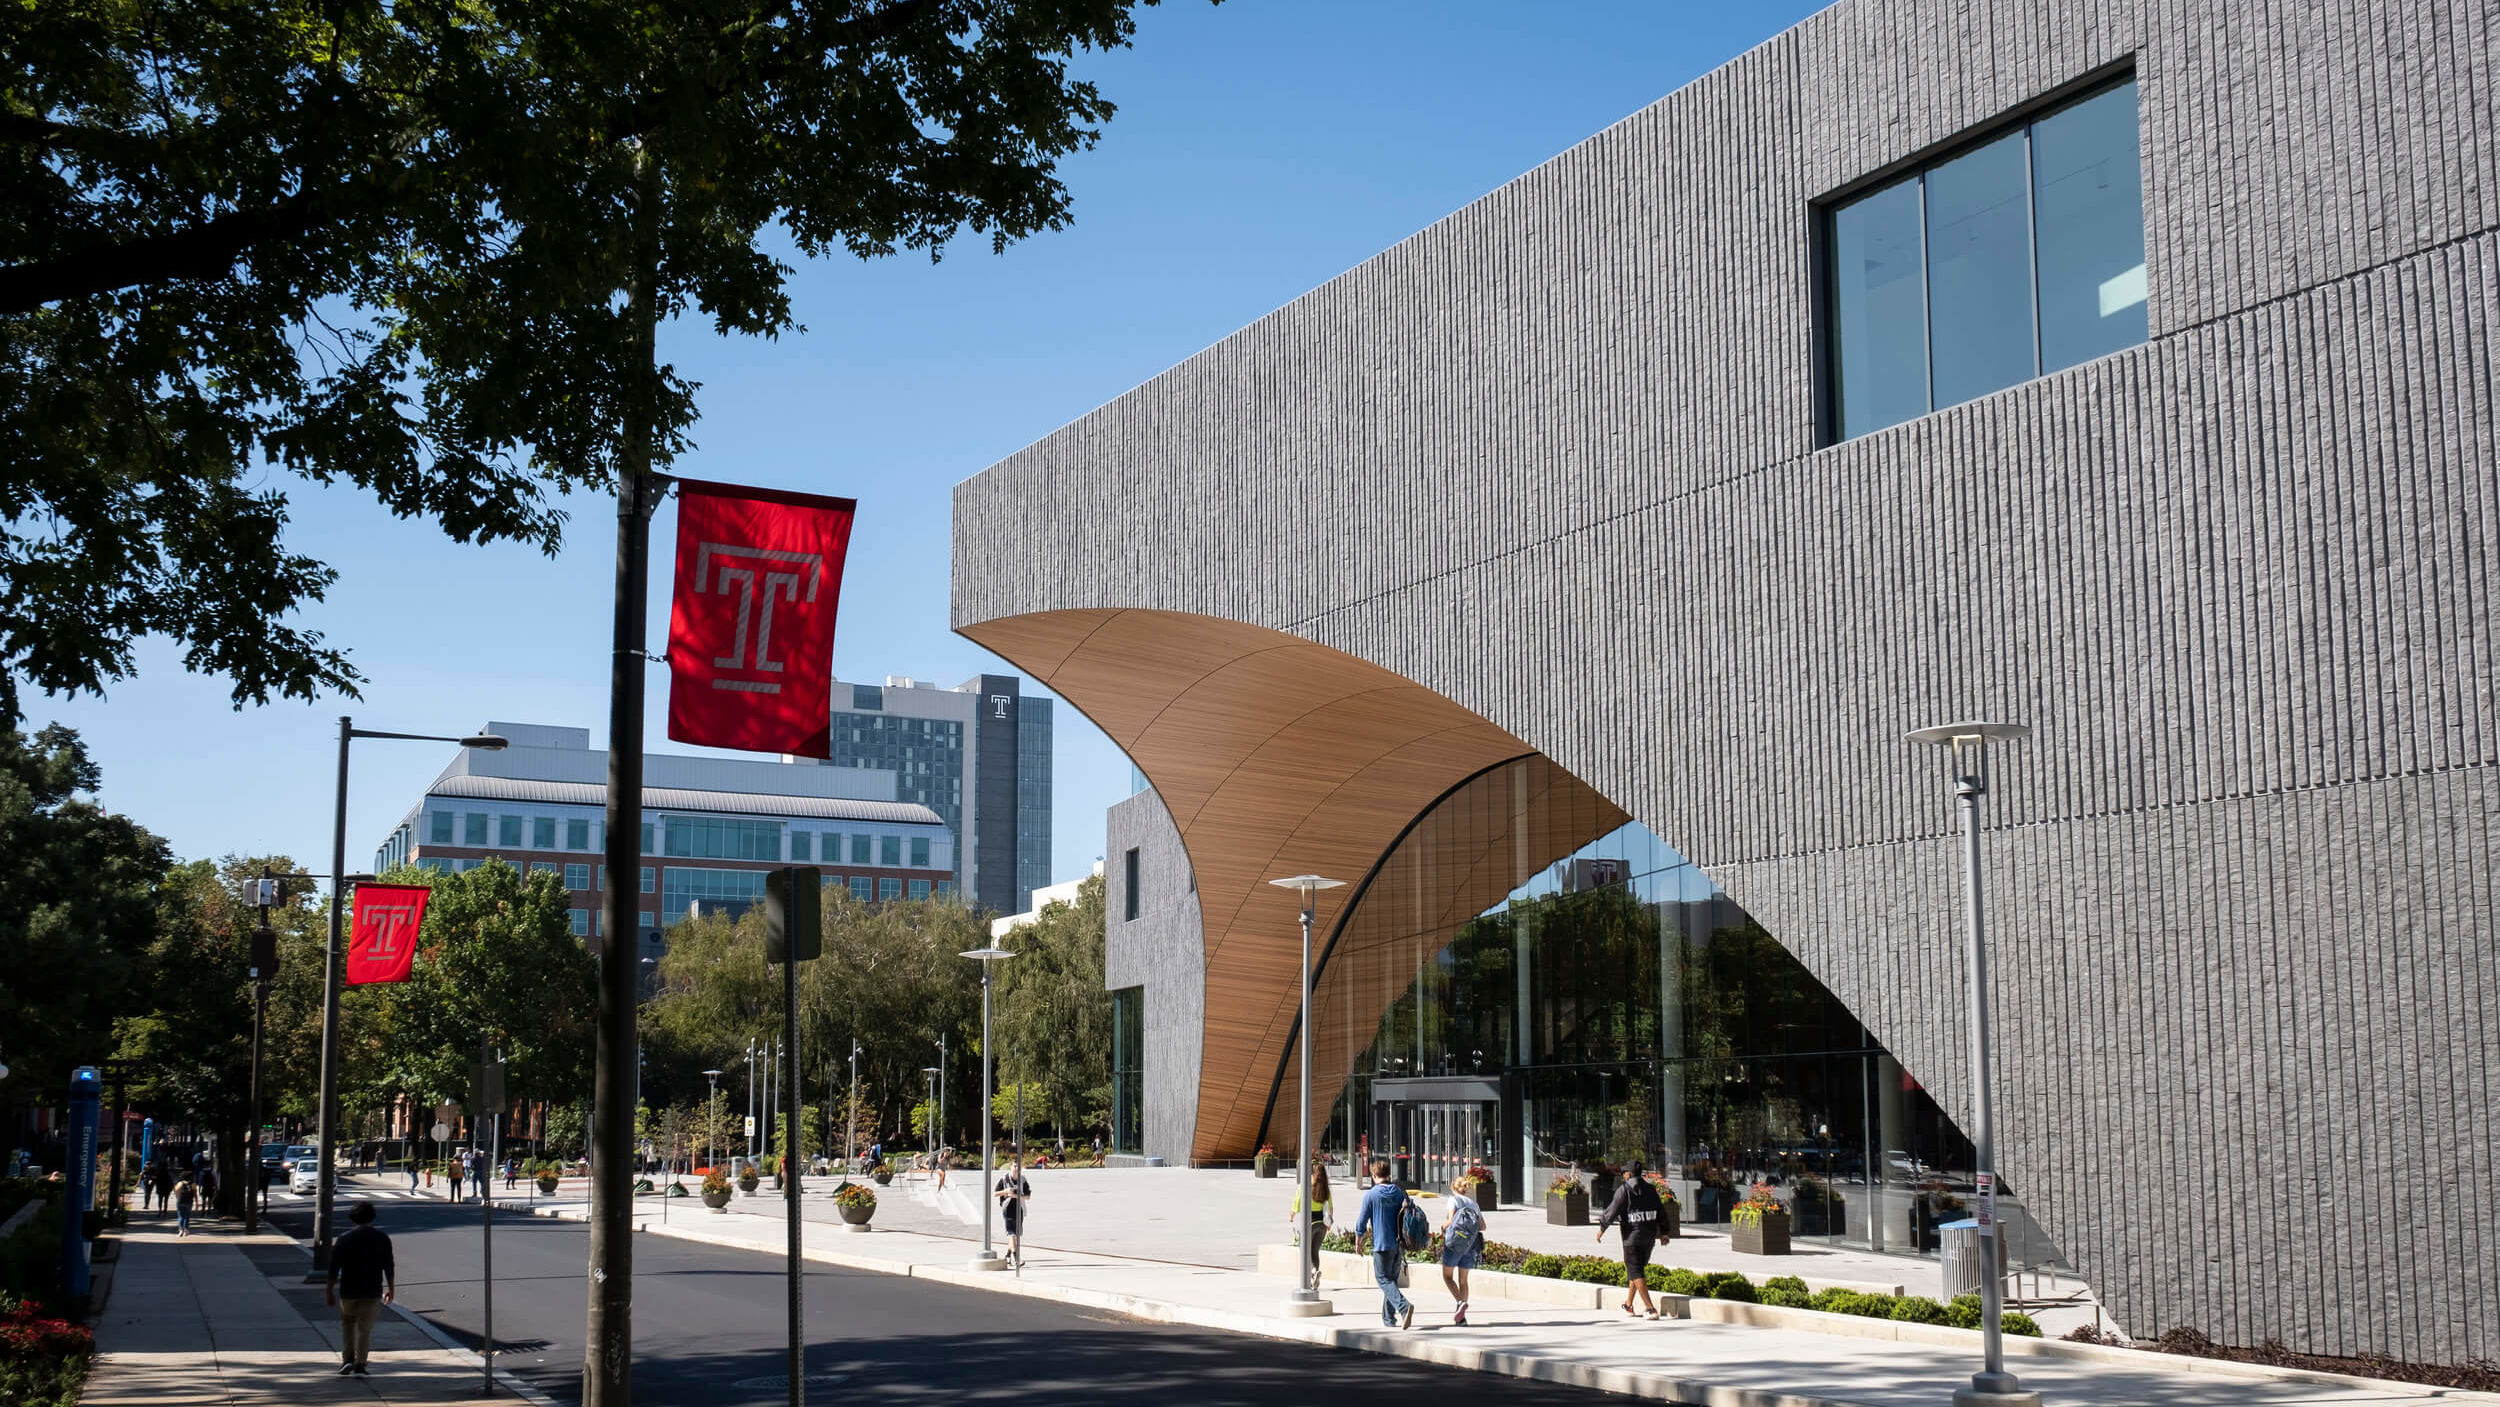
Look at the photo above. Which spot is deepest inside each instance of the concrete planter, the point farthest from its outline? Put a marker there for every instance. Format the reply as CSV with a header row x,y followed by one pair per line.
x,y
717,1201
855,1216
1765,1237
1674,1220
882,1179
1566,1208
547,1186
1264,1166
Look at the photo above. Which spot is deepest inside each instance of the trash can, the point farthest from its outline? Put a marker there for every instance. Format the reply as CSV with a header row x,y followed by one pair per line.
x,y
1965,1264
1961,1257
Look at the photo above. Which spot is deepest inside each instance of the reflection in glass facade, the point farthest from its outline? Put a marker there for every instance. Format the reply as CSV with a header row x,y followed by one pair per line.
x,y
1607,1004
2011,259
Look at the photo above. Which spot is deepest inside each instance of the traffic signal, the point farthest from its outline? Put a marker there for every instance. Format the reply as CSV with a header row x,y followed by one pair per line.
x,y
793,908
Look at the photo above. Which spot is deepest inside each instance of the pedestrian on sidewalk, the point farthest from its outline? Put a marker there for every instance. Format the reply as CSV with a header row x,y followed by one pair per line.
x,y
511,1172
412,1172
164,1187
452,1170
186,1196
1309,1217
1384,1210
1462,1242
1637,1207
363,1278
944,1156
208,1190
1013,1192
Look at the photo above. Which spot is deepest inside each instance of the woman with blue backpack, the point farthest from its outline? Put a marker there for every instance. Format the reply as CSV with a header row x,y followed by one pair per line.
x,y
1462,1242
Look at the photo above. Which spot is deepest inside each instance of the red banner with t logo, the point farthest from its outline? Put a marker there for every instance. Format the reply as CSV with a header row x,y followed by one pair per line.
x,y
382,942
750,629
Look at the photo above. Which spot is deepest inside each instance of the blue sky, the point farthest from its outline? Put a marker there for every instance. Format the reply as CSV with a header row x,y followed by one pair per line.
x,y
1261,148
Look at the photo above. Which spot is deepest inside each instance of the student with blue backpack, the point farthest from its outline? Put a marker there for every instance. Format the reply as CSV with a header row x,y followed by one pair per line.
x,y
1396,1225
1462,1242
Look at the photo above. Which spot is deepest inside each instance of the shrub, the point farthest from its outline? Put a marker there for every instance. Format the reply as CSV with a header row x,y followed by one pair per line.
x,y
1963,1312
1655,1274
1729,1285
1546,1267
1686,1282
2016,1322
715,1183
1917,1309
855,1194
1866,1306
1785,1297
1499,1255
1833,1300
43,1357
1593,1270
1786,1282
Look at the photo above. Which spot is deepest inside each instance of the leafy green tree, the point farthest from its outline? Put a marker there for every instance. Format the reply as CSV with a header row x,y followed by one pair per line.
x,y
383,243
79,912
1053,1017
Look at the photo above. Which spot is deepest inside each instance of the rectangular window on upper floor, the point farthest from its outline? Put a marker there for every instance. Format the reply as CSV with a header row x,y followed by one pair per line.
x,y
862,887
859,850
577,835
542,833
889,889
438,828
920,889
2007,259
890,851
578,877
919,859
1128,877
802,847
508,832
473,828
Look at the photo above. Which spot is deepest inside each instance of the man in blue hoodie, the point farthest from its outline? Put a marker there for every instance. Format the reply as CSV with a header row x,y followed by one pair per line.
x,y
1382,1208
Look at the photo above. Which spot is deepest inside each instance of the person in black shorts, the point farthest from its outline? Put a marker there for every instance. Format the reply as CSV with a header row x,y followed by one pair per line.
x,y
1013,1191
1638,1207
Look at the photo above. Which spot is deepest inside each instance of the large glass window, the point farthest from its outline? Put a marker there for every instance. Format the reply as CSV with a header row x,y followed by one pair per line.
x,y
577,876
2018,257
508,832
802,847
542,833
889,889
919,852
473,828
863,888
859,850
890,851
718,891
577,835
920,889
720,838
1128,1070
438,828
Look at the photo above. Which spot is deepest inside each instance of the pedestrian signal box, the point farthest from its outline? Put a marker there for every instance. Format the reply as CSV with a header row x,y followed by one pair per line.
x,y
793,914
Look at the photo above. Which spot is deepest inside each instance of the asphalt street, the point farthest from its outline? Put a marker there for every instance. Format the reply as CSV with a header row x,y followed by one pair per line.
x,y
708,1328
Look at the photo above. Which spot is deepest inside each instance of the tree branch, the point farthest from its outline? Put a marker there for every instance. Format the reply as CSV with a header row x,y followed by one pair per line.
x,y
205,250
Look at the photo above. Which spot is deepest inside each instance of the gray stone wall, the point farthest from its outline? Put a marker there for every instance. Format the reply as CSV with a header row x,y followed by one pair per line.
x,y
1556,458
1162,950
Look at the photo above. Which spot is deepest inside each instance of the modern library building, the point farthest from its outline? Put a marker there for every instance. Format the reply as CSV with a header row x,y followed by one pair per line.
x,y
1567,579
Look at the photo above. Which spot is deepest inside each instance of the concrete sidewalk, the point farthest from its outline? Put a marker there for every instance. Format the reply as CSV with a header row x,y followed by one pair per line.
x,y
222,1318
1697,1361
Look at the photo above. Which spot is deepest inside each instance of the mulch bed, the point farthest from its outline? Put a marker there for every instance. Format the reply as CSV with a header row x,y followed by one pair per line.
x,y
2480,1376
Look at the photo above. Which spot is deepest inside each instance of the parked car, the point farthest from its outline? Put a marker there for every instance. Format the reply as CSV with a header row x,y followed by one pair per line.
x,y
306,1178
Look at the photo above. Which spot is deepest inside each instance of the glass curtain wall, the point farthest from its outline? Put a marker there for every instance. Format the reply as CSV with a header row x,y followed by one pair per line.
x,y
1605,1004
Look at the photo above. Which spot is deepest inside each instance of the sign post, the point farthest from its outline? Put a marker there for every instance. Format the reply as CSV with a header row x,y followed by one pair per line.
x,y
793,933
486,1097
86,1102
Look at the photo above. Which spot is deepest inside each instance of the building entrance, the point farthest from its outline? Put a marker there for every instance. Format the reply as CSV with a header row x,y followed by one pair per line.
x,y
1433,1130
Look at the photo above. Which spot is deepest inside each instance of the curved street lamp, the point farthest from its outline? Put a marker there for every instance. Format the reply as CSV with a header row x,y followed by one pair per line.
x,y
1307,1301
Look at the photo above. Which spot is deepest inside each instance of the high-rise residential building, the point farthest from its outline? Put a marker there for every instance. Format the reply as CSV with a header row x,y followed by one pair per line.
x,y
978,755
711,826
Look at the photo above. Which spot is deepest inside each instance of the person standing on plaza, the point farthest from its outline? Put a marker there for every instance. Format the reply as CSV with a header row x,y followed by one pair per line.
x,y
164,1187
944,1157
363,1278
412,1169
1462,1242
1384,1207
452,1167
1638,1207
1309,1216
1013,1191
186,1196
207,1205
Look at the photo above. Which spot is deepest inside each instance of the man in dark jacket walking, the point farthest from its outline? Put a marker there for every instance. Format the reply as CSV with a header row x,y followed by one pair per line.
x,y
363,1278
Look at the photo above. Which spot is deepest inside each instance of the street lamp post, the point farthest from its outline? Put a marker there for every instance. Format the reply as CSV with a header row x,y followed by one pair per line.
x,y
941,1080
326,1180
1992,1386
850,1119
928,1115
711,1126
988,1259
1307,1301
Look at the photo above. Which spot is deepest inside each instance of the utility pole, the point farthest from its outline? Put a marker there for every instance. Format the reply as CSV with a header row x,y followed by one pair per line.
x,y
608,1340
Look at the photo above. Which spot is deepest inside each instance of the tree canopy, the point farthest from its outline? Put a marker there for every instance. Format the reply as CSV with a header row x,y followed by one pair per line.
x,y
382,243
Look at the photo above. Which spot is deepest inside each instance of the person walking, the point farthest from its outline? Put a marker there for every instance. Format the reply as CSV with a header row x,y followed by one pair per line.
x,y
363,1278
944,1156
1638,1207
1462,1243
452,1168
186,1196
207,1205
1309,1217
164,1187
412,1170
1384,1211
1013,1191
511,1172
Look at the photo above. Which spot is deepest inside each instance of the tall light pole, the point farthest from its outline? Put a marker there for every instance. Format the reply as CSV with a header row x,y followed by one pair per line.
x,y
334,964
711,1126
988,1259
850,1118
1307,1301
941,1081
1992,1386
928,1114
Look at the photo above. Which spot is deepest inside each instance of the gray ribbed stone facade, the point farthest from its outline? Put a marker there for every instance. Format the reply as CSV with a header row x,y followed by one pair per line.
x,y
1159,951
1557,458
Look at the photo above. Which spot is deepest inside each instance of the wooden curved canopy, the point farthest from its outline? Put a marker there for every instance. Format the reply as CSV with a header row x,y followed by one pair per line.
x,y
1275,756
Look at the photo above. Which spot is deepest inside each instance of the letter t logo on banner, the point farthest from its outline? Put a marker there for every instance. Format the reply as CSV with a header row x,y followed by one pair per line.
x,y
382,941
750,630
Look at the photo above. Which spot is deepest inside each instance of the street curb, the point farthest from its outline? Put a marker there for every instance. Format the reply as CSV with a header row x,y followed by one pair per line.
x,y
1511,1364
